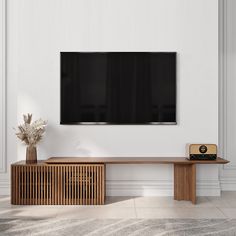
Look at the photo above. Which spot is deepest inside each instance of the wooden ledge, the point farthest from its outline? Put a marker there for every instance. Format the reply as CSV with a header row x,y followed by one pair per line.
x,y
130,160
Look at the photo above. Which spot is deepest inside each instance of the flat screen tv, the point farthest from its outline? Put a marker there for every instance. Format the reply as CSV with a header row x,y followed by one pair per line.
x,y
118,88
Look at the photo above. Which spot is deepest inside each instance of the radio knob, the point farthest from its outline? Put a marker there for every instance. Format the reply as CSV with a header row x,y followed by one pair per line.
x,y
203,149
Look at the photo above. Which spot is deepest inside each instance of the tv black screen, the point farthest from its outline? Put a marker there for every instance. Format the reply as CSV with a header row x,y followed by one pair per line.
x,y
118,88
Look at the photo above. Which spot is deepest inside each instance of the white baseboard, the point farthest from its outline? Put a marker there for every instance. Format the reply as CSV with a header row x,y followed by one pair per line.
x,y
157,188
228,184
139,188
4,187
208,188
149,187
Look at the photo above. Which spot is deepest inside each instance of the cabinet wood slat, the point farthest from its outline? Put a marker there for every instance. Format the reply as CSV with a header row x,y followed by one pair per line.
x,y
36,184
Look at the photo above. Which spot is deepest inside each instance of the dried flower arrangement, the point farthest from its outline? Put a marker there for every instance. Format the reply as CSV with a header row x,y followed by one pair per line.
x,y
30,134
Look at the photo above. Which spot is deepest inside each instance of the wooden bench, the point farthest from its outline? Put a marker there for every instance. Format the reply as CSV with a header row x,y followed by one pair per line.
x,y
77,180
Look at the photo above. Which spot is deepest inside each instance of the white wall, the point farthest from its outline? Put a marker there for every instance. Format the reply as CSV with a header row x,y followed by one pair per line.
x,y
39,29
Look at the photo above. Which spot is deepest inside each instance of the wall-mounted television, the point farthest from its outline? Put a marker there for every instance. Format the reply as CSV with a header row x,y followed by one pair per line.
x,y
118,88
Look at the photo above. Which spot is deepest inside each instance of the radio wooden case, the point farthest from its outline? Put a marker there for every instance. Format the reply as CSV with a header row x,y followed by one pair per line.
x,y
201,151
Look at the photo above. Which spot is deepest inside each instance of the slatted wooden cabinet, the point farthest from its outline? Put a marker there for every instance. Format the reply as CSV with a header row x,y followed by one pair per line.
x,y
63,184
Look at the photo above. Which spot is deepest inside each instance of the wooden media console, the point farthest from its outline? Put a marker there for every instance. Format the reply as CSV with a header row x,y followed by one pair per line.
x,y
81,181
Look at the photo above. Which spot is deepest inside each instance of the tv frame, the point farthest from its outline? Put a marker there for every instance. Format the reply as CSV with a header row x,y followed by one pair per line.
x,y
110,123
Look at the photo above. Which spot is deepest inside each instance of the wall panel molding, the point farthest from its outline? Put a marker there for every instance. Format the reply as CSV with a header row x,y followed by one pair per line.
x,y
3,86
224,57
227,172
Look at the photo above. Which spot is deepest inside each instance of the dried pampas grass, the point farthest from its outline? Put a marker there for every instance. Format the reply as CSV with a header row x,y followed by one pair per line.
x,y
31,133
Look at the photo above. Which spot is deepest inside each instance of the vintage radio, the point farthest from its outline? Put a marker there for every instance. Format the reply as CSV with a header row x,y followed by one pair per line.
x,y
202,151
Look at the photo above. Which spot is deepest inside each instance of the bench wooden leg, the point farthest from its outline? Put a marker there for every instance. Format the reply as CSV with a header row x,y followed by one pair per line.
x,y
185,182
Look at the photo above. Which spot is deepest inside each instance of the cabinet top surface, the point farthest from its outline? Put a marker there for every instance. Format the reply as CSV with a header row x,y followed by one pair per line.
x,y
122,160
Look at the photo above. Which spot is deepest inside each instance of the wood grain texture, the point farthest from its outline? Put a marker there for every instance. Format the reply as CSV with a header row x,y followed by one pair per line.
x,y
185,182
194,148
81,181
130,160
38,184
